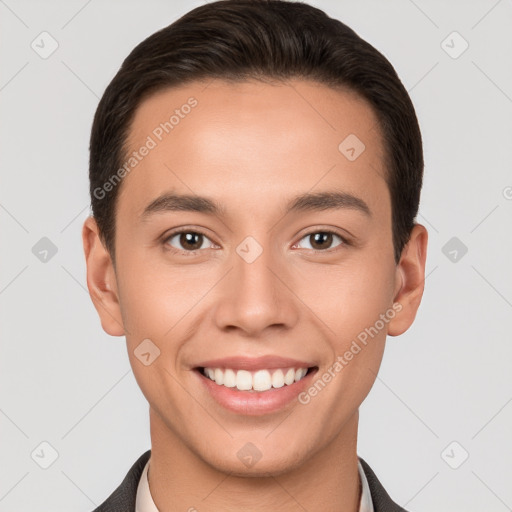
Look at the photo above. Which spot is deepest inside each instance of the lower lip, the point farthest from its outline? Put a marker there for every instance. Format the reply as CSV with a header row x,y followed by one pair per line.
x,y
257,402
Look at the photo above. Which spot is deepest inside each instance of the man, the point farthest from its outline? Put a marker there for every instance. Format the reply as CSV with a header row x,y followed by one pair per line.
x,y
255,176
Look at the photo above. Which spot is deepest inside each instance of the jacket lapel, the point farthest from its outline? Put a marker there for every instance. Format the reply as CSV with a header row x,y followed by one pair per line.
x,y
382,502
123,498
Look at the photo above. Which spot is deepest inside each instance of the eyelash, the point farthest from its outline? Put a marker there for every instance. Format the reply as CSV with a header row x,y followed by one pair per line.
x,y
168,237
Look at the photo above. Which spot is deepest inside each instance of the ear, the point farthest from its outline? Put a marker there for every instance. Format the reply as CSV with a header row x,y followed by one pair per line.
x,y
410,281
101,279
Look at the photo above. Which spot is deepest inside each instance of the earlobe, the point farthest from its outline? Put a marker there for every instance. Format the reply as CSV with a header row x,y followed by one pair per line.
x,y
410,280
101,279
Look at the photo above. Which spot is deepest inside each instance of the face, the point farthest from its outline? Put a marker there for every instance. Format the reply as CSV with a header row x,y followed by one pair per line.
x,y
280,257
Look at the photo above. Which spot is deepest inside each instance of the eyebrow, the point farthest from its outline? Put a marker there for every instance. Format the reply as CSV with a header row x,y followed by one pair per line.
x,y
317,201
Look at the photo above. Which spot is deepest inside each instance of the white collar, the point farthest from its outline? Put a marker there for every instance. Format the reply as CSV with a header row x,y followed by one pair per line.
x,y
144,502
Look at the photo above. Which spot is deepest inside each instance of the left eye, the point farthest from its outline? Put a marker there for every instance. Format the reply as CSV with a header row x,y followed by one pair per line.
x,y
321,240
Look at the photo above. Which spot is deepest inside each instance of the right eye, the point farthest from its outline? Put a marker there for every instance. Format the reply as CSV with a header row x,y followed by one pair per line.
x,y
189,241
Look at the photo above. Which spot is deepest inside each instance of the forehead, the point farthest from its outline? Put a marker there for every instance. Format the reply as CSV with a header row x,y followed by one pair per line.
x,y
239,141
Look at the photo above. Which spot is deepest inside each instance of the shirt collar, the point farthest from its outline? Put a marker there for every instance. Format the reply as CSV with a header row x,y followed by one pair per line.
x,y
144,502
366,503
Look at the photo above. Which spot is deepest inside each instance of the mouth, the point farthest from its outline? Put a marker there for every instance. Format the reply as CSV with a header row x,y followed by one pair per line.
x,y
260,381
254,386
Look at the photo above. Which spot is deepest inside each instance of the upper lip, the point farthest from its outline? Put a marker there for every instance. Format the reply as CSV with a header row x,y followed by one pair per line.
x,y
254,363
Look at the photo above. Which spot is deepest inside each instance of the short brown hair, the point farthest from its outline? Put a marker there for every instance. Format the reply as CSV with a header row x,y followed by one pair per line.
x,y
259,39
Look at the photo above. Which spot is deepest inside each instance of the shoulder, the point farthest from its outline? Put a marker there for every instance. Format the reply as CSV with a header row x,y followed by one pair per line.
x,y
123,498
382,502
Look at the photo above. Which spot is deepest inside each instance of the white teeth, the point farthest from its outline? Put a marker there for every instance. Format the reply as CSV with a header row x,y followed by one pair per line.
x,y
300,373
289,377
261,380
219,376
229,378
243,380
278,379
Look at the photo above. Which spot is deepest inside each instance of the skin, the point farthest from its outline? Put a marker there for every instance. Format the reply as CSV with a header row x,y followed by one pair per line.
x,y
251,146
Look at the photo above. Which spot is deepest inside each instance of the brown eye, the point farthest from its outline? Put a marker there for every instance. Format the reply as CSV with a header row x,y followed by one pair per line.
x,y
322,240
187,240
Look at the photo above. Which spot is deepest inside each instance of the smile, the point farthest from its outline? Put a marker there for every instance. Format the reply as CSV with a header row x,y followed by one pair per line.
x,y
261,380
254,392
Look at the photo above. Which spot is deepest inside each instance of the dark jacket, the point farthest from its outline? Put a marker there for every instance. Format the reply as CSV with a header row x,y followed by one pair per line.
x,y
123,498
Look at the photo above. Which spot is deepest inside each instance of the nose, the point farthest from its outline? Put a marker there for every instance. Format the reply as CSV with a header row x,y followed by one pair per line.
x,y
256,295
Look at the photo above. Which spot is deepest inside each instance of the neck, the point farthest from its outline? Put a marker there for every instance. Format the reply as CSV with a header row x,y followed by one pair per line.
x,y
181,480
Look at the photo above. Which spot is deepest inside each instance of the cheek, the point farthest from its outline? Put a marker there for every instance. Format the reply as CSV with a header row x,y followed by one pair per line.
x,y
355,303
350,297
154,304
155,297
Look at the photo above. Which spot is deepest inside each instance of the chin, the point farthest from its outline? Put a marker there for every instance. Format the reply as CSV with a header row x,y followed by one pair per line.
x,y
264,467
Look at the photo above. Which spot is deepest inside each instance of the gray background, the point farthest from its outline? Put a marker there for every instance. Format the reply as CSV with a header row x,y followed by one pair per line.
x,y
448,379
